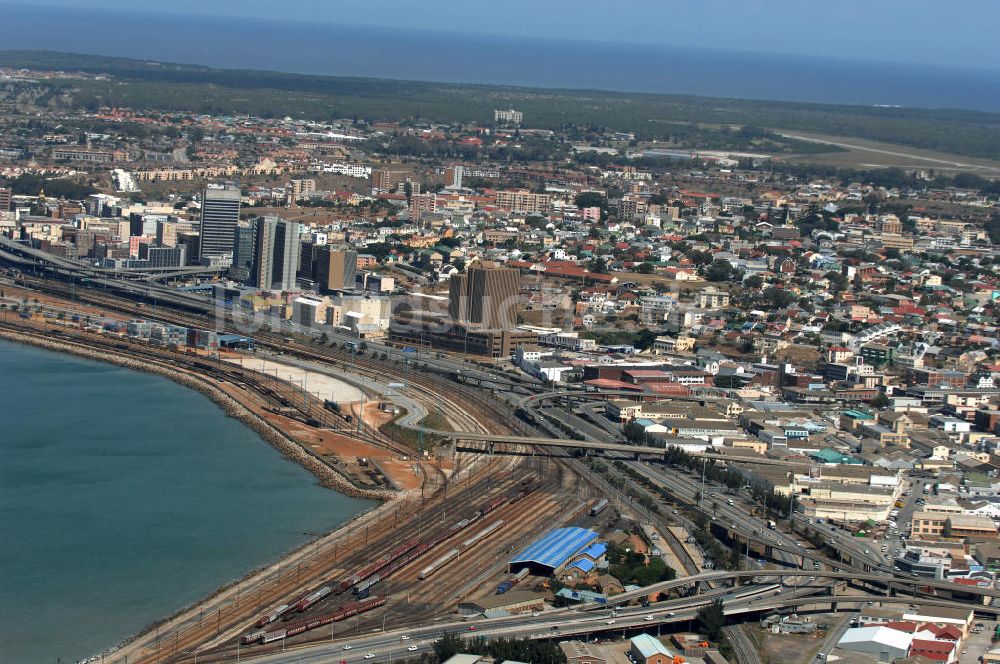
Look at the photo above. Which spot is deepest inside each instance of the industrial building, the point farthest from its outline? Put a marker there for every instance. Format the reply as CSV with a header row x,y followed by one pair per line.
x,y
501,605
646,649
883,643
552,551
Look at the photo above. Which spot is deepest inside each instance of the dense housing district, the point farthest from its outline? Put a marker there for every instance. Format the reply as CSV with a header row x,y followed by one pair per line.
x,y
809,354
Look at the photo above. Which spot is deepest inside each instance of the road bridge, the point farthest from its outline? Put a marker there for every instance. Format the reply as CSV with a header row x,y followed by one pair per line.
x,y
899,584
636,450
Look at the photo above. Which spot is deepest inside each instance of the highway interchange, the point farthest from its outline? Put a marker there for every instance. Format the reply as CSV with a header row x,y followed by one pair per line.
x,y
813,584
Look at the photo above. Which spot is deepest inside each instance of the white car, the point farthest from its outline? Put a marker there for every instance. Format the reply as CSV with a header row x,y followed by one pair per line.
x,y
412,649
648,618
404,638
611,622
347,647
670,614
370,655
535,614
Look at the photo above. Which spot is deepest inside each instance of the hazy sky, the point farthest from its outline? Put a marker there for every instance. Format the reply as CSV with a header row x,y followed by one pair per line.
x,y
947,32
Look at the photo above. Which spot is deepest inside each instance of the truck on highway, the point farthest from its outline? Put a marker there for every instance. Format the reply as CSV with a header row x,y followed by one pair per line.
x,y
771,525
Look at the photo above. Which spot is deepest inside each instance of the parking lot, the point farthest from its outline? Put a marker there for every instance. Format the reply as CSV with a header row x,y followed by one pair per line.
x,y
977,644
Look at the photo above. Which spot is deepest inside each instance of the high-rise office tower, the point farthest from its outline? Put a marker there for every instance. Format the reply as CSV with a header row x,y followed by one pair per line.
x,y
243,241
220,214
276,251
336,269
485,296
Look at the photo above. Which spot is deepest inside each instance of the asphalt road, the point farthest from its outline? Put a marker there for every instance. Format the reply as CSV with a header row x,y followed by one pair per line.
x,y
557,624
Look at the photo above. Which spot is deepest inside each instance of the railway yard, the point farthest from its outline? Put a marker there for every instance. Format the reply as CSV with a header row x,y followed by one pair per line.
x,y
417,555
450,517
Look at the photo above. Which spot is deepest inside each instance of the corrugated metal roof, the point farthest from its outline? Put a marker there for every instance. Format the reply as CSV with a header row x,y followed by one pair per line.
x,y
584,565
555,547
595,550
880,635
650,646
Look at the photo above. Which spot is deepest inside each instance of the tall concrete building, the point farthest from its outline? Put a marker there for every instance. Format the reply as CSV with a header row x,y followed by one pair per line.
x,y
485,296
243,242
220,214
276,252
453,177
335,269
166,233
5,199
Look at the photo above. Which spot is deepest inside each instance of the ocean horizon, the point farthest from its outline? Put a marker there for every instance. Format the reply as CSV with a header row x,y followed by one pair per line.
x,y
420,55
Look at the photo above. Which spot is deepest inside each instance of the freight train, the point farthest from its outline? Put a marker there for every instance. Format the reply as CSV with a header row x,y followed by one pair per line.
x,y
362,581
306,601
352,609
271,616
512,581
378,565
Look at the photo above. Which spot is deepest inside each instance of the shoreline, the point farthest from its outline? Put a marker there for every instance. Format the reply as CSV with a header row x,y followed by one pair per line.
x,y
292,451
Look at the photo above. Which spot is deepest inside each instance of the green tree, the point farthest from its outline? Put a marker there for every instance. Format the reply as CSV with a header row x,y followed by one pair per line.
x,y
634,433
711,620
881,401
645,268
730,382
448,646
598,266
588,199
778,298
719,270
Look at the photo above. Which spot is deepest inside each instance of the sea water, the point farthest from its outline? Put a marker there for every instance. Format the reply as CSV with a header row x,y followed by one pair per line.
x,y
125,497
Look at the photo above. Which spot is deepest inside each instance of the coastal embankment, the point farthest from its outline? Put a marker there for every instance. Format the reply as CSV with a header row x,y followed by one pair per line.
x,y
290,449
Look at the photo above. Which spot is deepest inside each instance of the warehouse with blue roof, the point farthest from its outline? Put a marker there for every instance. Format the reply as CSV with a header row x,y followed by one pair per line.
x,y
553,550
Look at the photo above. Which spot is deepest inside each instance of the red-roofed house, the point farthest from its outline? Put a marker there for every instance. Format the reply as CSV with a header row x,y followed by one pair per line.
x,y
670,389
937,651
609,384
944,632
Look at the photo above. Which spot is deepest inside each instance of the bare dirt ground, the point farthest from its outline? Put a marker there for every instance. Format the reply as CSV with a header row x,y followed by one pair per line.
x,y
348,451
790,648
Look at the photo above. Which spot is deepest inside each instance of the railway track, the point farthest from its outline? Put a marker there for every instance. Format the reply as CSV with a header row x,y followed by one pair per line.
x,y
320,563
469,409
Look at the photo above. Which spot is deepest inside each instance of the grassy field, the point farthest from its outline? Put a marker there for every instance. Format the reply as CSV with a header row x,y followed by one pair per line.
x,y
681,119
861,153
